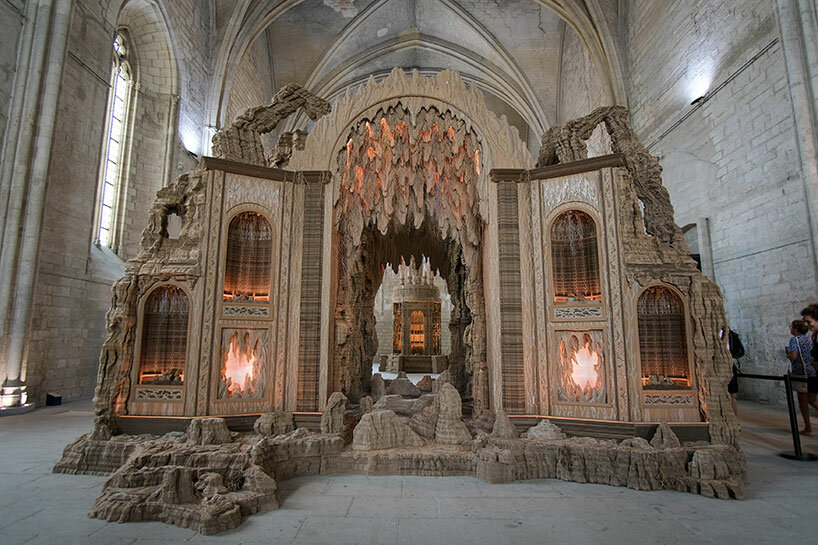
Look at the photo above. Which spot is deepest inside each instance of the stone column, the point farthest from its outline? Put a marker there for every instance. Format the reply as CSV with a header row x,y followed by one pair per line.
x,y
799,40
31,178
427,329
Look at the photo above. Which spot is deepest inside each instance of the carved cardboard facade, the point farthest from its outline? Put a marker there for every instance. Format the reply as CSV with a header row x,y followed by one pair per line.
x,y
414,167
568,301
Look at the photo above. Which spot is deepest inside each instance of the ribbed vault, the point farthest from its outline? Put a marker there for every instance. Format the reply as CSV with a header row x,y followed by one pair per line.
x,y
510,50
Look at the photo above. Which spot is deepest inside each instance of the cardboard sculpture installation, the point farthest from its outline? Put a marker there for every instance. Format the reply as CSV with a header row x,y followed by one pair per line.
x,y
411,167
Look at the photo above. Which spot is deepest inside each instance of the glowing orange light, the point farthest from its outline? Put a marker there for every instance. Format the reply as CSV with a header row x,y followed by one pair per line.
x,y
239,368
584,364
359,177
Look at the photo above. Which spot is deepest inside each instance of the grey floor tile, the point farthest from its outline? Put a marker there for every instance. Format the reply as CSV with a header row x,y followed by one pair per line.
x,y
358,531
37,506
143,530
336,506
387,506
357,485
444,531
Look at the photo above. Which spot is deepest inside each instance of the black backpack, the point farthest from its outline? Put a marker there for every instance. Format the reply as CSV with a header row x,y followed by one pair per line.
x,y
736,348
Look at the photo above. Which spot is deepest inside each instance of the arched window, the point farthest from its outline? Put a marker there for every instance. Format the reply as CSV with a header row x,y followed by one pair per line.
x,y
575,257
662,339
164,337
113,153
417,338
248,259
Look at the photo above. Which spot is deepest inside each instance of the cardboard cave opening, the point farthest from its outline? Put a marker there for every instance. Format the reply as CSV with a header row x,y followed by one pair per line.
x,y
358,290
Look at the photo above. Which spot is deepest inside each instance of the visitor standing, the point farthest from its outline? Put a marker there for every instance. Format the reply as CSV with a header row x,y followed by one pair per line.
x,y
799,352
810,316
736,348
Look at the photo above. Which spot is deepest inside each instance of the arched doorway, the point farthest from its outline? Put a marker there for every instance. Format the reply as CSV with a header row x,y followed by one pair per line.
x,y
363,211
408,188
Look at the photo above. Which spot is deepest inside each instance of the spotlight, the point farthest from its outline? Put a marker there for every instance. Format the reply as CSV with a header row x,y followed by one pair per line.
x,y
698,85
190,141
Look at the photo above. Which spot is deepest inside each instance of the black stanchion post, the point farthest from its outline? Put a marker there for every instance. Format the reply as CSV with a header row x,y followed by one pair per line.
x,y
797,454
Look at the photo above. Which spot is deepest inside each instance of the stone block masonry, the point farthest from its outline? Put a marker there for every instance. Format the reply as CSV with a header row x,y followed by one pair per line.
x,y
734,160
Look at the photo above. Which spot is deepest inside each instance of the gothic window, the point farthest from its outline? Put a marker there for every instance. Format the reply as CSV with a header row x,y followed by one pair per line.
x,y
662,339
164,337
575,257
248,259
113,152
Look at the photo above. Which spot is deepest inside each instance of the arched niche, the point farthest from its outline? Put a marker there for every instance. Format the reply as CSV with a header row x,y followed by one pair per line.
x,y
151,130
575,259
163,337
664,354
248,257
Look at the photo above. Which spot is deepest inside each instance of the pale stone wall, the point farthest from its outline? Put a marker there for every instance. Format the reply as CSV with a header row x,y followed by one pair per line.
x,y
154,71
581,89
192,42
252,85
734,160
72,291
74,278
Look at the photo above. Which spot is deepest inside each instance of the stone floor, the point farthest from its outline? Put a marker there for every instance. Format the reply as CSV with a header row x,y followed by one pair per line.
x,y
37,506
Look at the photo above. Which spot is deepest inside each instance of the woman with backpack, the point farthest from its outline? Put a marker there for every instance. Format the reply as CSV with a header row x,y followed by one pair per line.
x,y
804,363
799,352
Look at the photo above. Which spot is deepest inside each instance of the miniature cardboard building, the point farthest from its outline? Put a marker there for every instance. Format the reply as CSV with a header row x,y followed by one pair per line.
x,y
416,323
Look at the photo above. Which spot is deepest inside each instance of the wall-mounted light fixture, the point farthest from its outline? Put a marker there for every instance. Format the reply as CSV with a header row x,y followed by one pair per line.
x,y
698,86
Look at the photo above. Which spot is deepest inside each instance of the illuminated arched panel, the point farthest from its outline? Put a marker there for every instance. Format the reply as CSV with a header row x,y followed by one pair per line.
x,y
575,257
662,339
164,337
248,258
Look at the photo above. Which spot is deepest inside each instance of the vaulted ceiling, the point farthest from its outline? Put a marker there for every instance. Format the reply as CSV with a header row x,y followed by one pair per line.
x,y
511,49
